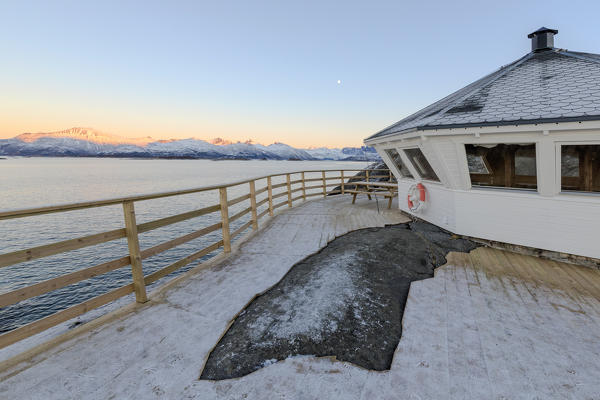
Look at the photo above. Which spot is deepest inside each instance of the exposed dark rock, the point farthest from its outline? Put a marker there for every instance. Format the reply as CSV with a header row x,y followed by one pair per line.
x,y
346,301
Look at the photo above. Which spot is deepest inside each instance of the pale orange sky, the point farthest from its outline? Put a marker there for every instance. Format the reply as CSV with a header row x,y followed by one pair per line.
x,y
295,132
35,110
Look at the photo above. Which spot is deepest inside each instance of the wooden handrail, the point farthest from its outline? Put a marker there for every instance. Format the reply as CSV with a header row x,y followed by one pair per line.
x,y
119,200
280,195
135,257
270,190
61,316
59,247
238,199
262,190
225,220
289,190
152,251
263,201
49,285
159,223
278,185
132,230
314,187
240,214
313,180
182,263
241,229
303,187
253,205
283,203
262,214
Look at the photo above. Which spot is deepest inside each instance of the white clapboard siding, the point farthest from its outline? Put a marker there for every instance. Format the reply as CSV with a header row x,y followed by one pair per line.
x,y
544,219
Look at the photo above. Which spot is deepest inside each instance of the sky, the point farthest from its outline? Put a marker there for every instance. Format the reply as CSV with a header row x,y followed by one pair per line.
x,y
261,70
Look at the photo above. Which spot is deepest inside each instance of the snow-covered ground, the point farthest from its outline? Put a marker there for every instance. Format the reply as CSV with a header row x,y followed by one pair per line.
x,y
488,326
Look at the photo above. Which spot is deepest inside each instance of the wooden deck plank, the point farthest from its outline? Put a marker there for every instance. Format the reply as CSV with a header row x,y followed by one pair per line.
x,y
468,372
503,303
530,317
490,324
424,345
498,372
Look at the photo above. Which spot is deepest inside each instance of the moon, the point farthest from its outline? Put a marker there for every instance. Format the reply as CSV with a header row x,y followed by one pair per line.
x,y
339,82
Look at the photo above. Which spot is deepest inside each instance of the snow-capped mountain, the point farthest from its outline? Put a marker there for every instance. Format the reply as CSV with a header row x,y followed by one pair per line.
x,y
364,153
87,134
87,142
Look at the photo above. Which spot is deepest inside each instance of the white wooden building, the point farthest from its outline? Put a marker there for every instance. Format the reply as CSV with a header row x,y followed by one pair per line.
x,y
513,157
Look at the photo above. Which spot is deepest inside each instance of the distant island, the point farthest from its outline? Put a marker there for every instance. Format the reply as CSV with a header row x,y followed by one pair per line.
x,y
87,142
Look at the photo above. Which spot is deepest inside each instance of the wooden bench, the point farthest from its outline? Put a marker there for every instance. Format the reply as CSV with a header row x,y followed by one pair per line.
x,y
386,189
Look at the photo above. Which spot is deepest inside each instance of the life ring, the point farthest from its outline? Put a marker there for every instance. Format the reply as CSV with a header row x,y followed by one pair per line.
x,y
416,197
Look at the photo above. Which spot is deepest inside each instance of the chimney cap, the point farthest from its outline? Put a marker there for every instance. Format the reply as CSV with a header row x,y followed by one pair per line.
x,y
543,29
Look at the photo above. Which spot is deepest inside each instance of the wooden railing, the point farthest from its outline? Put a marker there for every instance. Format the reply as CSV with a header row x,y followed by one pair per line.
x,y
305,184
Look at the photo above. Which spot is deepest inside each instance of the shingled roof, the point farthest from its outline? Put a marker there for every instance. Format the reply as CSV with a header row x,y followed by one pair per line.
x,y
553,85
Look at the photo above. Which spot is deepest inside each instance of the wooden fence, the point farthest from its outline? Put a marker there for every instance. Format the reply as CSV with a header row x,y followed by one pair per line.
x,y
298,186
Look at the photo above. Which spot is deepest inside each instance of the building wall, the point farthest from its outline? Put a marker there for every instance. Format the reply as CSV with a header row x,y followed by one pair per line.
x,y
568,224
545,219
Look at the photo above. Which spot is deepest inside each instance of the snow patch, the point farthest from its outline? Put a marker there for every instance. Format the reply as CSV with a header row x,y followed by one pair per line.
x,y
311,309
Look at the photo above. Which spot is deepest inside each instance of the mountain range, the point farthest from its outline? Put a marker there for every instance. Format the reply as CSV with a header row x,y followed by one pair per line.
x,y
87,142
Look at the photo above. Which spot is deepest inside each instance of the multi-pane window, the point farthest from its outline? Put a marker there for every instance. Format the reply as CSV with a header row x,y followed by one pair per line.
x,y
580,168
397,160
502,165
418,160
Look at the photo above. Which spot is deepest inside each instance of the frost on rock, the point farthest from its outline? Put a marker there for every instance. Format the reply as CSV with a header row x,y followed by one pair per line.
x,y
346,301
310,310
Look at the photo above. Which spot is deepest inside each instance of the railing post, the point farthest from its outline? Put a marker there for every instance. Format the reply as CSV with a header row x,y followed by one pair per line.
x,y
367,176
289,190
253,205
225,219
342,176
135,257
324,185
270,187
303,188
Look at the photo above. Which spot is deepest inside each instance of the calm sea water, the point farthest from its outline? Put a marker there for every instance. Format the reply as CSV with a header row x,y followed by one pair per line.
x,y
32,182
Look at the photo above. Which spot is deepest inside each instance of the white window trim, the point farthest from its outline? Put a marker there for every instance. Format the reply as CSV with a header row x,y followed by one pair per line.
x,y
536,143
558,172
392,165
412,168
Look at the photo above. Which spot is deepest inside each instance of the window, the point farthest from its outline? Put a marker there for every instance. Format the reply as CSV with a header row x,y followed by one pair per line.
x,y
580,168
393,154
478,164
418,160
502,165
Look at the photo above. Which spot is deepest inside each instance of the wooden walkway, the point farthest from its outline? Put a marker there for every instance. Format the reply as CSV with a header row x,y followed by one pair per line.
x,y
489,325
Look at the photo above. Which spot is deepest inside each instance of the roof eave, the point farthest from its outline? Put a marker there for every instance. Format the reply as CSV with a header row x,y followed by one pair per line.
x,y
376,137
512,123
538,121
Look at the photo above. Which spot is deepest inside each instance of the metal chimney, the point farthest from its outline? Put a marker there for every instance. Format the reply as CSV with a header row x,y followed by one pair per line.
x,y
542,39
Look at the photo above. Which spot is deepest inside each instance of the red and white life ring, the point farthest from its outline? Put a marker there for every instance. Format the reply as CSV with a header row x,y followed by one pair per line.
x,y
416,197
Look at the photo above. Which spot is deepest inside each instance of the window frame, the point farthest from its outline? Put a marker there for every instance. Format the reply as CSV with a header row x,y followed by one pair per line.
x,y
486,164
414,170
523,141
558,171
393,164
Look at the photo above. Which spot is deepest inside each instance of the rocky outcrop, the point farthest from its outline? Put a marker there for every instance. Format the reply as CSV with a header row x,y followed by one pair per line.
x,y
347,301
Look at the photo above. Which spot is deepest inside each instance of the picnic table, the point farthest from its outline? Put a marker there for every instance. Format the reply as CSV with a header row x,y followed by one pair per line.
x,y
386,189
